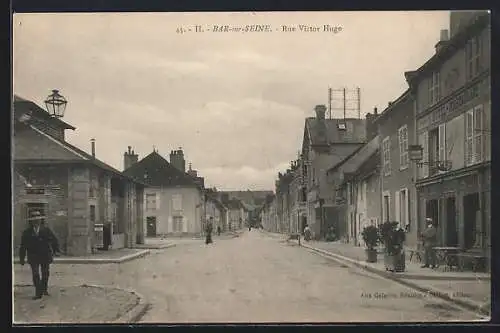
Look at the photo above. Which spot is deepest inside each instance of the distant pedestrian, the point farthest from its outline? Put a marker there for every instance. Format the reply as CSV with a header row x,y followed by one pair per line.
x,y
40,244
218,230
307,233
429,238
208,230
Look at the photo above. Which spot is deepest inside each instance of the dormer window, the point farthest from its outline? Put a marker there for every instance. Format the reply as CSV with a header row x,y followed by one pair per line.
x,y
342,126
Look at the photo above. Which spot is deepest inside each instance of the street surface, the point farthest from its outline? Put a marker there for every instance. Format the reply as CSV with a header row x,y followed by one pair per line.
x,y
255,278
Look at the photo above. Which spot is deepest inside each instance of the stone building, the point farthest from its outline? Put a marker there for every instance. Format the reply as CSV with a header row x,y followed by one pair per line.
x,y
74,190
396,128
174,200
452,103
326,142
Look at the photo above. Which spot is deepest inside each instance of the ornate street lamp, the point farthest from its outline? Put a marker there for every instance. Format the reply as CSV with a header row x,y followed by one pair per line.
x,y
416,154
56,104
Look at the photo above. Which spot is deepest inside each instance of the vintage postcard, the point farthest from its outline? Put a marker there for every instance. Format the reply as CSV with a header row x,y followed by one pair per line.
x,y
251,167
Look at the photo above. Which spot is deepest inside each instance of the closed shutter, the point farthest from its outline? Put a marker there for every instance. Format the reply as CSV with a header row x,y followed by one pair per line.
x,y
442,143
397,213
408,219
469,137
478,133
157,201
425,146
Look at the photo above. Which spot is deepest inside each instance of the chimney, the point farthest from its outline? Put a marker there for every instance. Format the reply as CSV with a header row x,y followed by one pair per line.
x,y
92,145
459,19
320,112
191,172
371,127
177,159
129,158
443,39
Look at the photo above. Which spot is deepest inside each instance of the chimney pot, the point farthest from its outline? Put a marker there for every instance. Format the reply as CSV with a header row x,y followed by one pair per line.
x,y
92,145
444,36
129,147
320,111
375,111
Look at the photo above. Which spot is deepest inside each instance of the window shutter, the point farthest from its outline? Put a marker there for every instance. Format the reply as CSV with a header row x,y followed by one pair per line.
x,y
397,200
407,207
157,201
425,145
478,133
469,120
442,142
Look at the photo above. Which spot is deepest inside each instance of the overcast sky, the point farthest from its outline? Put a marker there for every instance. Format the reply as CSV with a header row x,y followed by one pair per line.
x,y
235,102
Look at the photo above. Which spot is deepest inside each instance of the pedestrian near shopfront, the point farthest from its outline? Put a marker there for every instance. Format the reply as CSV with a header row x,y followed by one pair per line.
x,y
429,238
208,230
218,230
40,245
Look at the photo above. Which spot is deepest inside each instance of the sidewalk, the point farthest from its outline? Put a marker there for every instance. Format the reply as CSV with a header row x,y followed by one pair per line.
x,y
77,304
468,289
156,243
102,257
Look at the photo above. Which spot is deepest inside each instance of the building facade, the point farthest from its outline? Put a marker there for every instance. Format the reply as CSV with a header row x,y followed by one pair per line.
x,y
326,142
396,128
452,105
78,194
174,201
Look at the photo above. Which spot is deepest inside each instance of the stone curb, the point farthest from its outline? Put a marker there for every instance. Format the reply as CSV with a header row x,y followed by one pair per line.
x,y
76,260
157,246
402,275
131,316
468,304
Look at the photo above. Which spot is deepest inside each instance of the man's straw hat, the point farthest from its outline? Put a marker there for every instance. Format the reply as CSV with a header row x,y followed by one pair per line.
x,y
36,216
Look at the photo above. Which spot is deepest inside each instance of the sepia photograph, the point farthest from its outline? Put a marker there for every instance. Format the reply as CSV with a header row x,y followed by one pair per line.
x,y
251,167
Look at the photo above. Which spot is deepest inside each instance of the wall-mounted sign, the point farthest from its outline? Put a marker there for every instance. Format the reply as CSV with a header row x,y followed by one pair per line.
x,y
61,213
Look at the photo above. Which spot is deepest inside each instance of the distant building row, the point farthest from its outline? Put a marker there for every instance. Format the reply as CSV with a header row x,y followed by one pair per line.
x,y
363,174
79,194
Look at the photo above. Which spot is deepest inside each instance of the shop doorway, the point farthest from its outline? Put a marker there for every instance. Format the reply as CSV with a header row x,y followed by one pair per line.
x,y
471,207
432,211
451,222
151,226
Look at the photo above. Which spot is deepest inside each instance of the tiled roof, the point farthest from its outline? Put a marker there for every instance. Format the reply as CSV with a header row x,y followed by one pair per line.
x,y
22,106
159,172
327,130
60,151
353,163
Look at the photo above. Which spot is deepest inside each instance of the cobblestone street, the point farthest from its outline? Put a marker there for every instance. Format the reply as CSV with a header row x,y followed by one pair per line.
x,y
255,278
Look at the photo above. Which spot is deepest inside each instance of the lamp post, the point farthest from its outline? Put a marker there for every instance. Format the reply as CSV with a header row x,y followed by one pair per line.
x,y
56,104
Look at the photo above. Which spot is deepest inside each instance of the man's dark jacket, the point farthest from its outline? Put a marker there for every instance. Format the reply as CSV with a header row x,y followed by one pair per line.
x,y
40,248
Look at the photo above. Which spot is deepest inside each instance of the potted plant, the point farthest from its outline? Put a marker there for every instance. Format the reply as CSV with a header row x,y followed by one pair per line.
x,y
393,238
371,238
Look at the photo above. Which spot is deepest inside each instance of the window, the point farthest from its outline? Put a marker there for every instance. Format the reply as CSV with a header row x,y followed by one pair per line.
x,y
177,202
151,201
386,207
433,151
177,224
386,146
403,147
92,213
473,53
474,132
434,88
442,155
402,208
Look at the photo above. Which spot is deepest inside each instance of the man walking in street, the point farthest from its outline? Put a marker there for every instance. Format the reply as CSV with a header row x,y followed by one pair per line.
x,y
429,237
40,244
209,230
